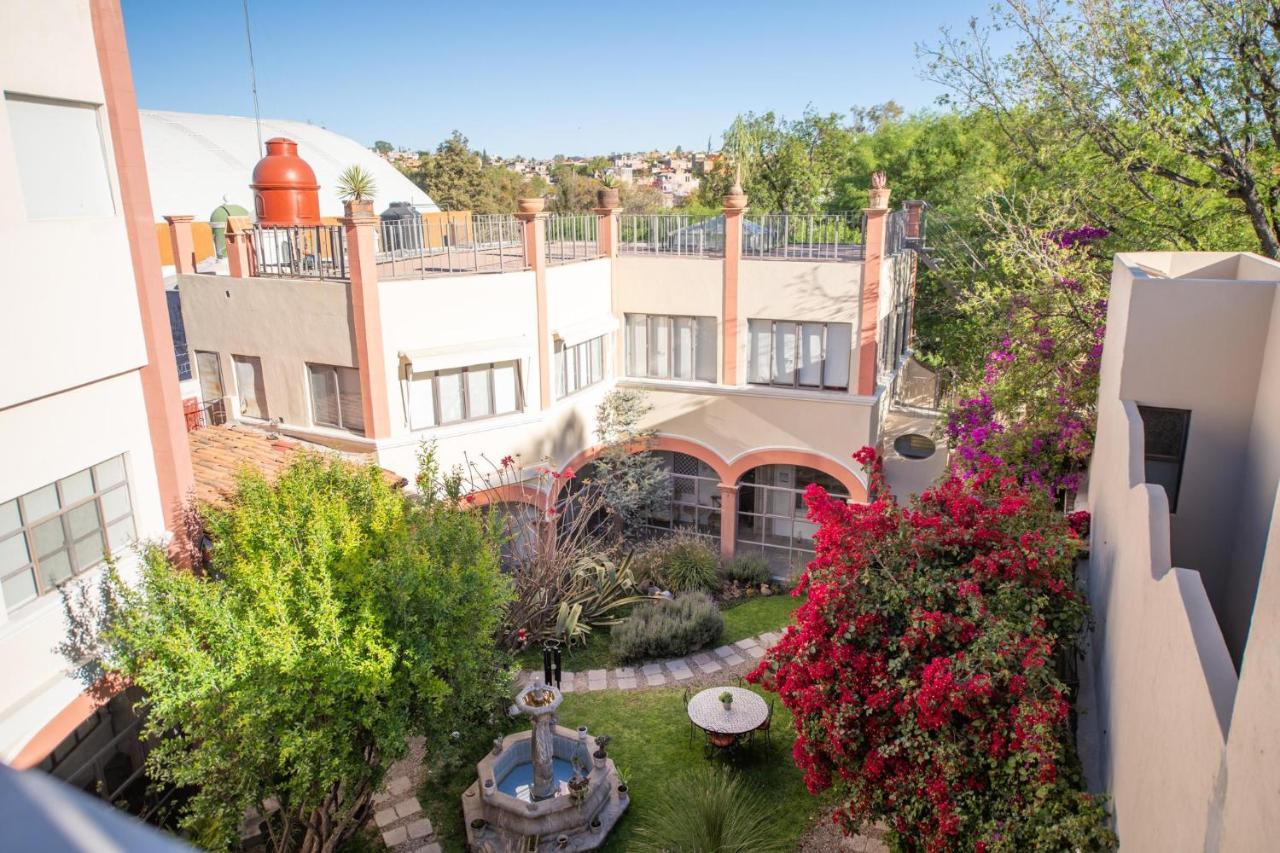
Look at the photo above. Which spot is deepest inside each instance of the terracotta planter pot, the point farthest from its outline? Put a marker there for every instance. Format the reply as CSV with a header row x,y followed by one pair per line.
x,y
358,208
736,199
607,197
531,205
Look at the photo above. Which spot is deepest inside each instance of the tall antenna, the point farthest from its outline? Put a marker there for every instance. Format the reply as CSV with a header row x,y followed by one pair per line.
x,y
253,79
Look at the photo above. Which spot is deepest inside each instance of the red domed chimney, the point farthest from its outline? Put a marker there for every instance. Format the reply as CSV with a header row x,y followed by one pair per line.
x,y
285,191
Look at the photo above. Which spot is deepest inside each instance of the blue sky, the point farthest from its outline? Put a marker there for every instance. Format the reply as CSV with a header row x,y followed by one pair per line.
x,y
534,79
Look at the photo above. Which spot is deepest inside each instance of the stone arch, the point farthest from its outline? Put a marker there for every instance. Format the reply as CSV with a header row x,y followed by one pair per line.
x,y
671,443
787,456
520,493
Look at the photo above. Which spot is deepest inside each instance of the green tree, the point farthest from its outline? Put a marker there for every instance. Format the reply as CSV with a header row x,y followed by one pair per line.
x,y
337,618
453,175
1167,112
634,484
382,146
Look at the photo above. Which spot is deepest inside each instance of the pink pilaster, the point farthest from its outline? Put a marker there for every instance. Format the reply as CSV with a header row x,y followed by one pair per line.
x,y
182,243
728,519
239,264
535,256
735,204
366,310
159,376
607,230
868,329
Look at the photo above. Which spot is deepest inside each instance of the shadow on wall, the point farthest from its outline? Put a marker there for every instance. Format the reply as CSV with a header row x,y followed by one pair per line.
x,y
807,295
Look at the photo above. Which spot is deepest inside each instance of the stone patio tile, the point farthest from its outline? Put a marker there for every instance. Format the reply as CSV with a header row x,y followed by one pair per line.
x,y
626,683
381,797
419,828
709,666
679,669
724,651
624,672
433,847
593,674
408,807
656,679
702,657
651,669
756,652
748,643
392,837
384,817
733,660
566,686
771,638
399,785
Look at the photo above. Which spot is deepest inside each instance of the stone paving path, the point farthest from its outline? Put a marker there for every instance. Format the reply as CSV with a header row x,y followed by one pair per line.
x,y
398,815
726,659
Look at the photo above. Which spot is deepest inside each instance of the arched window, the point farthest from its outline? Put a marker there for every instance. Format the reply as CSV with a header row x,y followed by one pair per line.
x,y
771,514
694,505
521,522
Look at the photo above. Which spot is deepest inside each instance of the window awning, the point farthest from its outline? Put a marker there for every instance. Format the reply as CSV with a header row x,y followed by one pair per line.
x,y
585,330
462,355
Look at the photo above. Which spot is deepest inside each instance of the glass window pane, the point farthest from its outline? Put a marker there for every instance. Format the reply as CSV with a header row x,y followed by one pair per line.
x,y
705,370
77,487
40,503
350,400
83,519
109,473
422,401
637,345
581,379
759,333
13,553
89,551
55,568
597,359
120,534
48,537
506,395
115,503
811,355
839,346
480,405
324,395
659,347
210,376
10,518
19,589
449,387
249,386
60,157
784,353
682,348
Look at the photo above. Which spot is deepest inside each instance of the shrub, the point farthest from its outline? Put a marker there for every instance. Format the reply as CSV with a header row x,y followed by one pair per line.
x,y
920,672
708,809
682,562
668,628
748,570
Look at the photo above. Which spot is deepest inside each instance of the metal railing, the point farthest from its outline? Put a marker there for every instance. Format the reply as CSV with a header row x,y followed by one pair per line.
x,y
809,237
450,244
671,234
572,237
300,251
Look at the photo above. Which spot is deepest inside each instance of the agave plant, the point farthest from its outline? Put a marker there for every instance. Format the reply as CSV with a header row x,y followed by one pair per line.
x,y
609,180
599,591
708,809
356,184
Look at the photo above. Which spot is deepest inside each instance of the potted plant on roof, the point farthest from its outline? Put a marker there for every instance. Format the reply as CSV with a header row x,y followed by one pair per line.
x,y
356,188
533,204
607,195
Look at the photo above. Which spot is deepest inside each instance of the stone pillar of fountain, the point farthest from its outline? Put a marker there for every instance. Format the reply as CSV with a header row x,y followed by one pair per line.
x,y
540,703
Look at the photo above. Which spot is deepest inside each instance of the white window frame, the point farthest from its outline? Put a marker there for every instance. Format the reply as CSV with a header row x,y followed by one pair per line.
x,y
434,377
337,388
652,321
566,364
798,331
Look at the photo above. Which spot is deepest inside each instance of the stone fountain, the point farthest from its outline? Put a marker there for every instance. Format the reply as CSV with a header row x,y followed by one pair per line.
x,y
544,786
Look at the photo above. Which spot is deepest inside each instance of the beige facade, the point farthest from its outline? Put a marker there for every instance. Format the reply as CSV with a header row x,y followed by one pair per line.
x,y
1185,597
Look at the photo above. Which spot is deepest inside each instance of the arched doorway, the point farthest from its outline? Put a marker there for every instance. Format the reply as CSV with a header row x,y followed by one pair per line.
x,y
772,514
694,502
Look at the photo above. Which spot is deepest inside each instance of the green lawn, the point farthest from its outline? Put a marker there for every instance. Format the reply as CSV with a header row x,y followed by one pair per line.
x,y
747,618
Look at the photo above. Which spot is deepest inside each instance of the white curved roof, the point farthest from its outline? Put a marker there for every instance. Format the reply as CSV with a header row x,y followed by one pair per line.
x,y
194,160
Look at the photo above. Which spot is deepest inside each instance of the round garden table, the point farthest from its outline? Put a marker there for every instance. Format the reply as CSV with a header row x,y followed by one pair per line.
x,y
744,714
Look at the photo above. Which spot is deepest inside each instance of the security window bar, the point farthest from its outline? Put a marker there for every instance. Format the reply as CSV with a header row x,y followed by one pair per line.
x,y
772,515
666,347
790,354
336,400
476,392
1164,433
578,366
61,530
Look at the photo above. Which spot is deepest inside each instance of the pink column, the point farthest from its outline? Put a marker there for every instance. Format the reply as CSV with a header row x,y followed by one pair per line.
x,y
359,224
607,230
868,330
159,376
728,520
183,243
735,204
239,263
535,256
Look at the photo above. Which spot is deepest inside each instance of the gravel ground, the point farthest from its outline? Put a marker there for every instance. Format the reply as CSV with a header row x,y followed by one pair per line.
x,y
825,837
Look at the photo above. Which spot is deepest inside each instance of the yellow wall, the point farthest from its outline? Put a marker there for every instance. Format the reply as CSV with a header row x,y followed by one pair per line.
x,y
201,237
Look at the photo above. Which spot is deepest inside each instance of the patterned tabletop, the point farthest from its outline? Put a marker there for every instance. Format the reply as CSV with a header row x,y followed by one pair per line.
x,y
745,713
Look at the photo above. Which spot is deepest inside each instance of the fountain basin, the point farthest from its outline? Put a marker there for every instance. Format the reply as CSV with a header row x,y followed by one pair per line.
x,y
518,782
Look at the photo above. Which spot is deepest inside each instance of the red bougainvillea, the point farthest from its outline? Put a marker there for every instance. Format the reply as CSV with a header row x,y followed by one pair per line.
x,y
921,668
